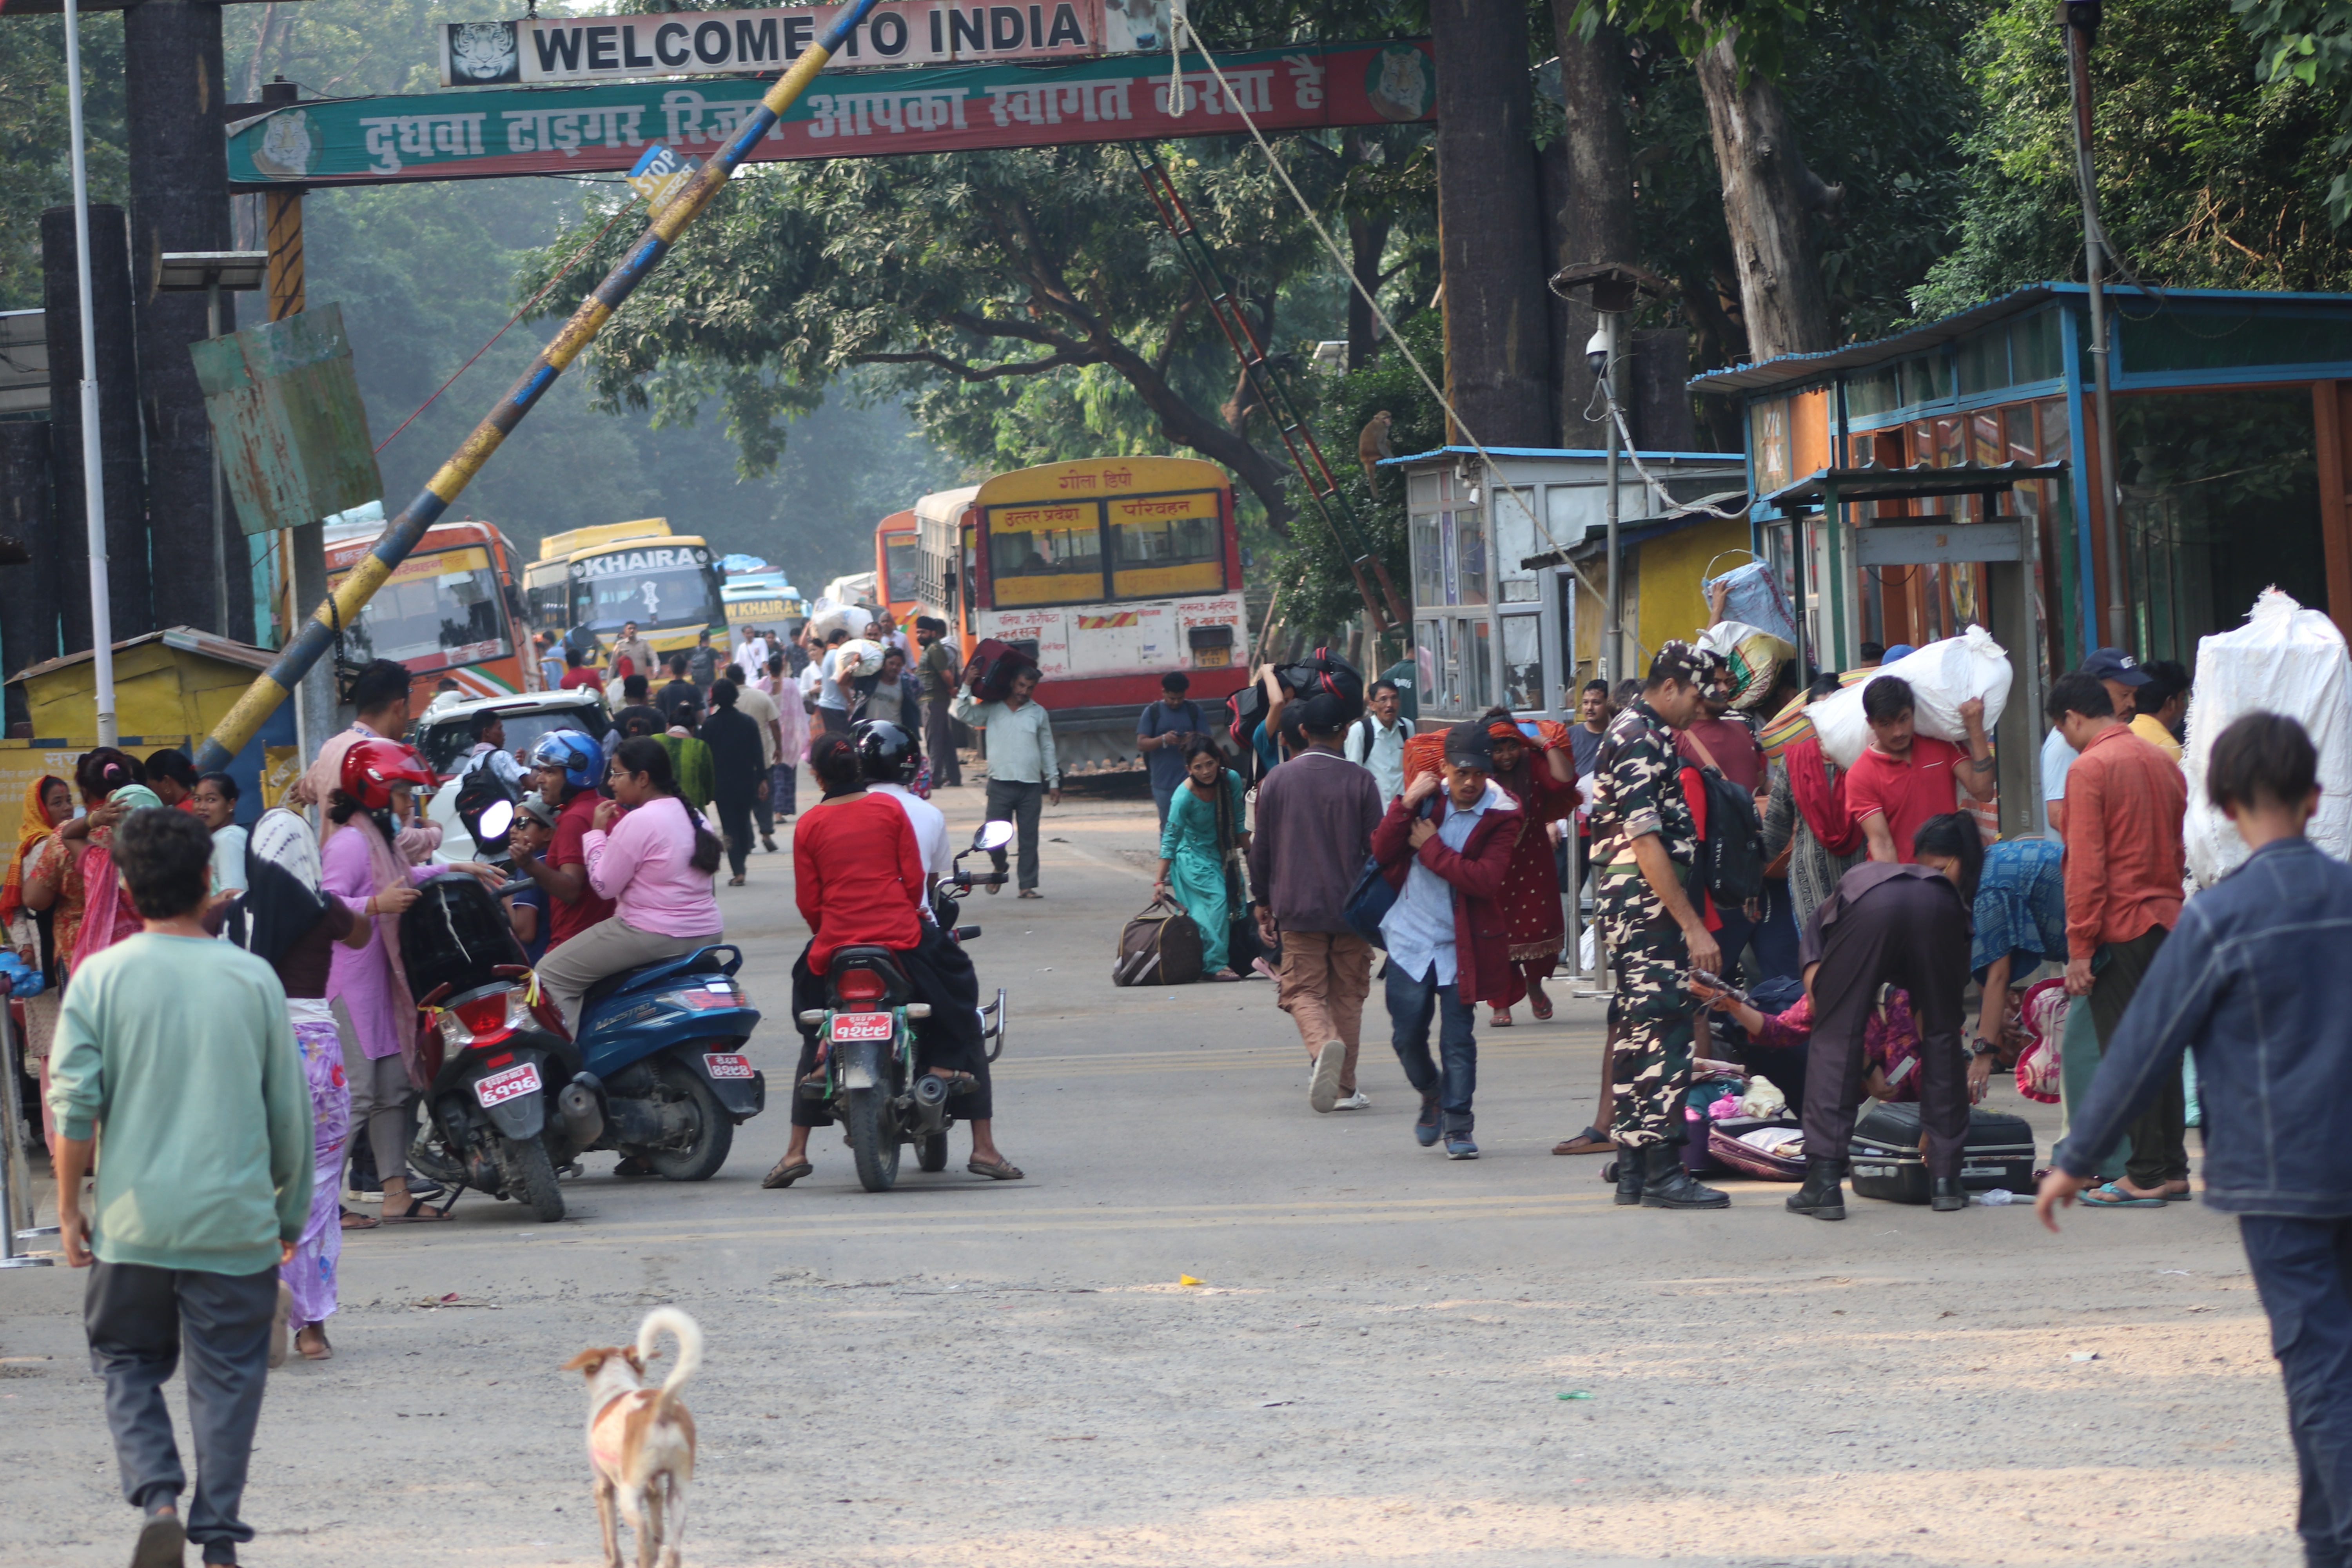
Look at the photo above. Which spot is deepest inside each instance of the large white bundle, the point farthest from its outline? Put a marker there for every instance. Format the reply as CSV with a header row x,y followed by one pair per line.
x,y
858,657
2285,660
1943,675
827,615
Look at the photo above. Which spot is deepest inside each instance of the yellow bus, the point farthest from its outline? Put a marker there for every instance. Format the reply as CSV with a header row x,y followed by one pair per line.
x,y
599,578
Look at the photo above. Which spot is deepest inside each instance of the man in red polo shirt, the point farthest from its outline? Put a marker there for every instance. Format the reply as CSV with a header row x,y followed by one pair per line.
x,y
1902,779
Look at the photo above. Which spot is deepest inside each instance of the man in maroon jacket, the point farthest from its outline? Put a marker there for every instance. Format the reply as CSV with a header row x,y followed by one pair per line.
x,y
1449,946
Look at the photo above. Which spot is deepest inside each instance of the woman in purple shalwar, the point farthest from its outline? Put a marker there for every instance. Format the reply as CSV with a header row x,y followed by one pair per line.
x,y
286,918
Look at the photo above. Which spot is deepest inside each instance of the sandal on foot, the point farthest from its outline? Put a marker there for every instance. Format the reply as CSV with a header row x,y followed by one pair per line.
x,y
1501,1020
416,1213
1031,893
734,881
356,1221
1540,1005
2111,1195
995,1169
786,1173
324,1353
1592,1141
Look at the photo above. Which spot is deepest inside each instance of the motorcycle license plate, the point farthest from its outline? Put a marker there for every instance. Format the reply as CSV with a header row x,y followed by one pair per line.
x,y
511,1084
862,1026
722,1064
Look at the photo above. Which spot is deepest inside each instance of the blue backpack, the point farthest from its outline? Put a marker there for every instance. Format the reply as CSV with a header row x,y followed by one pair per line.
x,y
1372,899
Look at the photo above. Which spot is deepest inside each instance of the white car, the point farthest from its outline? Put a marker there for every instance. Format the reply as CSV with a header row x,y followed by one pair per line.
x,y
446,737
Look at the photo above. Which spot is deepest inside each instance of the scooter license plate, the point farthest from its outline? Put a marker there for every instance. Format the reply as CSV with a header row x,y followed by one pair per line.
x,y
511,1084
863,1027
723,1064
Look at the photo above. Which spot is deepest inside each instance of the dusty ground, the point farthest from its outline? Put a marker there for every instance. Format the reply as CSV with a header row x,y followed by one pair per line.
x,y
960,1372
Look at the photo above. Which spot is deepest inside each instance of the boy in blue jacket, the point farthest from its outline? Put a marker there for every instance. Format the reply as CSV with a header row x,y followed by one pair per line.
x,y
2253,981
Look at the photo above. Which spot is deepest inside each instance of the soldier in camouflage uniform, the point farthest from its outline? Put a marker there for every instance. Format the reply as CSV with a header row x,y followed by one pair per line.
x,y
1656,935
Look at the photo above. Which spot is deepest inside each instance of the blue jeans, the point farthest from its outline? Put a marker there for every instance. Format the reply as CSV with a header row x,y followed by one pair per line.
x,y
2303,1269
1454,1077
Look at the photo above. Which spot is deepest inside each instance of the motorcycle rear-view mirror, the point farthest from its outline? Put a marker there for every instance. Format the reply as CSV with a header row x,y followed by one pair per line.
x,y
992,835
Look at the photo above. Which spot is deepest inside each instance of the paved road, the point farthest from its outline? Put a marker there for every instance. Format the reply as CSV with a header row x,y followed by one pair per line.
x,y
1374,1370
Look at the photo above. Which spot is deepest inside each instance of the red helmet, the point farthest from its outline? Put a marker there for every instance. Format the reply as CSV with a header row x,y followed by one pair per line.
x,y
373,767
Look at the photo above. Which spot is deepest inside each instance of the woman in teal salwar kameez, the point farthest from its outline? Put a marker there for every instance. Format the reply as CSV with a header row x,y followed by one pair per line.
x,y
1201,852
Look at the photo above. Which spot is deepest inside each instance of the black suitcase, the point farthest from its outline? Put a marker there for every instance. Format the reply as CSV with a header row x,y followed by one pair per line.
x,y
1885,1160
989,671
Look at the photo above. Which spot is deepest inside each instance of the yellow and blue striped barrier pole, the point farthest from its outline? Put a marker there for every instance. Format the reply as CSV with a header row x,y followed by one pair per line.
x,y
318,633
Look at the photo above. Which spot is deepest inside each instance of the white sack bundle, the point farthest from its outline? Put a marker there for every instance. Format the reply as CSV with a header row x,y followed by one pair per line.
x,y
827,615
1943,675
2285,660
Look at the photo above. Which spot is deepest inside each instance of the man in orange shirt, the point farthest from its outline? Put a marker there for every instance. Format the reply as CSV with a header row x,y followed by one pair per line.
x,y
2124,862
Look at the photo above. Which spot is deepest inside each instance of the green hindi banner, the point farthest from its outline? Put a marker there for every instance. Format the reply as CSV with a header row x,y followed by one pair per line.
x,y
489,132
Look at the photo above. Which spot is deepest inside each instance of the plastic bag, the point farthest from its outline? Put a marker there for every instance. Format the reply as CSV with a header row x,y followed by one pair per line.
x,y
2285,660
2042,1019
1755,656
1755,599
1943,675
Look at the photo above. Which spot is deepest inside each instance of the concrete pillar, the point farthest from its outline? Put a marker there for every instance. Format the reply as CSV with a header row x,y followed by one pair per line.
x,y
28,593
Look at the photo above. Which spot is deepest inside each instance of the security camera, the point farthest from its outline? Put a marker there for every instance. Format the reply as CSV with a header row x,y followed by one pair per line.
x,y
1596,353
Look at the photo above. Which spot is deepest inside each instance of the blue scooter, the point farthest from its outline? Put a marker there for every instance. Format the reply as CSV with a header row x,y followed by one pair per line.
x,y
657,1071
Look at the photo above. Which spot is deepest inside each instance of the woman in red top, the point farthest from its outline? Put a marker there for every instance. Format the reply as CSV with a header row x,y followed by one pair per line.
x,y
1542,779
858,875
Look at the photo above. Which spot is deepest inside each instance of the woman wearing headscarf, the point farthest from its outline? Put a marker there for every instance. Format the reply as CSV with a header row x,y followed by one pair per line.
x,y
112,788
286,918
1806,816
1541,776
28,907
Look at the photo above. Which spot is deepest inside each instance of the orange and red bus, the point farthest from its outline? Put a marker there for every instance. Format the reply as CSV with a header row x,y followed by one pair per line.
x,y
1109,572
896,569
450,611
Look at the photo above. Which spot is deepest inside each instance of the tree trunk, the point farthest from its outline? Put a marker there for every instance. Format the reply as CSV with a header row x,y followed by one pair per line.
x,y
1596,221
1368,240
1497,315
179,201
1769,200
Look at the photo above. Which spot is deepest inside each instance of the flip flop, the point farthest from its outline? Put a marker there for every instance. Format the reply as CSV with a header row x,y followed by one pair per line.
x,y
1225,976
417,1213
2110,1196
1500,1018
1542,1009
325,1351
357,1221
1592,1141
785,1175
995,1169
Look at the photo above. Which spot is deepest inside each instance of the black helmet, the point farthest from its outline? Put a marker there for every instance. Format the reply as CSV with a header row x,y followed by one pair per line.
x,y
886,754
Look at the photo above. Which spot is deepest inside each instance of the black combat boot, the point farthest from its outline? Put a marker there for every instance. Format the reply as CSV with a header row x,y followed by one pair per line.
x,y
1821,1197
1946,1197
1626,1171
1666,1185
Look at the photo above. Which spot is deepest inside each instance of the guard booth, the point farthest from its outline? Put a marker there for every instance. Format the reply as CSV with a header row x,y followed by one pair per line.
x,y
170,688
1987,557
1499,614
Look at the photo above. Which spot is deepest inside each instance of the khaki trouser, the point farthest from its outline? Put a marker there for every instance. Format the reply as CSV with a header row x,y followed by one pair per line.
x,y
1324,977
608,947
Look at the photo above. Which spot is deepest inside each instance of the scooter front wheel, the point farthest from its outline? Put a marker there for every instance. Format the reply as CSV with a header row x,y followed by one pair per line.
x,y
873,1137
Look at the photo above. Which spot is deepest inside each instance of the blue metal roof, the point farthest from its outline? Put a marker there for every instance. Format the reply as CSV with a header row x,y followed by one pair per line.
x,y
1595,453
1791,369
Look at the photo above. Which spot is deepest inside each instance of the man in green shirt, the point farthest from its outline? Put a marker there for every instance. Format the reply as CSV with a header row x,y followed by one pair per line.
x,y
177,1051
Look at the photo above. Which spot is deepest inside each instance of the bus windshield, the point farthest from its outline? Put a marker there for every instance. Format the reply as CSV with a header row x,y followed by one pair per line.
x,y
436,610
655,586
900,554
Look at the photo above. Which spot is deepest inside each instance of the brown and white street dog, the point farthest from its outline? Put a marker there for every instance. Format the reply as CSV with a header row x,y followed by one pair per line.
x,y
641,1439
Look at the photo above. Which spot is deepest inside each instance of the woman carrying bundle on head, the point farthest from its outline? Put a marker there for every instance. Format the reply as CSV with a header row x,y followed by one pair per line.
x,y
1542,778
1201,849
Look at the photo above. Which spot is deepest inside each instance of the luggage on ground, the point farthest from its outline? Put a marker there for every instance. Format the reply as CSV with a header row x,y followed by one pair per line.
x,y
1161,946
1887,1163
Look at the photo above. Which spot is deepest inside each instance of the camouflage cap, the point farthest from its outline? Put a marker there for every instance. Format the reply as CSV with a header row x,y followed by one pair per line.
x,y
1684,664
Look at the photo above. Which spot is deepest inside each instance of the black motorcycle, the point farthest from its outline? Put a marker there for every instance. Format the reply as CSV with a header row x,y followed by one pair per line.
x,y
866,1043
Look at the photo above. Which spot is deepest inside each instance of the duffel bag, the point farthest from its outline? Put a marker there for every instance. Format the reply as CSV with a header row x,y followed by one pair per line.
x,y
1161,946
989,671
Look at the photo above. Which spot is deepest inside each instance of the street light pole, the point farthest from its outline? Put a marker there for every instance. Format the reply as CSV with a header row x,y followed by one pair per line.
x,y
101,619
2082,26
1612,633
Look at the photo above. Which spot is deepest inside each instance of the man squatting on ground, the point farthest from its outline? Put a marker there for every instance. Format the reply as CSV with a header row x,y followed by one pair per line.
x,y
1644,842
2254,982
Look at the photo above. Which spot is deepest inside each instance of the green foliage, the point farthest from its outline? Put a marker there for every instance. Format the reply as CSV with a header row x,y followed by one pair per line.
x,y
2310,42
35,169
1310,570
2209,177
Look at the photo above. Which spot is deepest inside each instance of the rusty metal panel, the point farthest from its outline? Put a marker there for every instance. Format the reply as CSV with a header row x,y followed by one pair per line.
x,y
285,407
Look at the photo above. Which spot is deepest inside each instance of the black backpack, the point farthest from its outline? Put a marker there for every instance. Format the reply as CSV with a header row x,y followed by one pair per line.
x,y
1731,860
1245,710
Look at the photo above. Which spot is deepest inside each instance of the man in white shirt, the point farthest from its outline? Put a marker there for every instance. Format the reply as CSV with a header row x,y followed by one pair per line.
x,y
929,823
751,652
1022,767
490,751
1377,740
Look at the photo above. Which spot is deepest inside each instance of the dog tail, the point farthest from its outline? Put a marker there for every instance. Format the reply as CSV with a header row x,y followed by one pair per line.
x,y
689,1334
